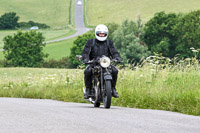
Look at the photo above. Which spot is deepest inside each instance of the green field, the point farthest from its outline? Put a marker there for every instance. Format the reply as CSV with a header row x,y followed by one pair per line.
x,y
49,34
60,49
54,13
105,11
56,50
167,89
51,12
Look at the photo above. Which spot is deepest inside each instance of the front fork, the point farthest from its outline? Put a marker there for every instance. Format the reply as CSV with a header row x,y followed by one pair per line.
x,y
105,75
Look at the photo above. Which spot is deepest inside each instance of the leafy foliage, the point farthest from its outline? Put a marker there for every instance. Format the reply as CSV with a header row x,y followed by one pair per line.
x,y
53,63
172,34
29,24
9,20
24,49
127,39
159,35
78,47
112,27
187,31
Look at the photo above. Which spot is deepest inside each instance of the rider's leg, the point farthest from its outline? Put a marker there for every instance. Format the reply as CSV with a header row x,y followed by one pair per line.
x,y
88,81
114,81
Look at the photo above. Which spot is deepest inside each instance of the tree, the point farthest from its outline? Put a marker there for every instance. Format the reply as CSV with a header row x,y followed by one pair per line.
x,y
112,27
24,49
78,47
127,39
187,31
8,20
159,35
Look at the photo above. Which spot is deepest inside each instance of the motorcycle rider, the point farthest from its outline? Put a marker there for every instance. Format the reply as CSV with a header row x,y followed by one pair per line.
x,y
93,50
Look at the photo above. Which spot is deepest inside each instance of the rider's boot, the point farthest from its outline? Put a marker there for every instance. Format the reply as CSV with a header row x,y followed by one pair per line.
x,y
114,93
87,93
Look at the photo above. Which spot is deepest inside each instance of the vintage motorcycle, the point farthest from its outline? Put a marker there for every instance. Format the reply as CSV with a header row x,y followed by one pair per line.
x,y
101,81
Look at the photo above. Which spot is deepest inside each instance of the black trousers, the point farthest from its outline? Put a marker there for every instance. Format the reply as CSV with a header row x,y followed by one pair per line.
x,y
88,76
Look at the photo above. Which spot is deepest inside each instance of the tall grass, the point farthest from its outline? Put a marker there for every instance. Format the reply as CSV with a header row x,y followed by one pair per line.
x,y
154,85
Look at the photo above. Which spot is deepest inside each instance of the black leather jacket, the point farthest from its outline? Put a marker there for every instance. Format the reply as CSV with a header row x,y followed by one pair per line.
x,y
98,49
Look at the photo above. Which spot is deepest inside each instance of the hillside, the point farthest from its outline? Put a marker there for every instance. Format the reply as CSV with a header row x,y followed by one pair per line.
x,y
54,13
117,10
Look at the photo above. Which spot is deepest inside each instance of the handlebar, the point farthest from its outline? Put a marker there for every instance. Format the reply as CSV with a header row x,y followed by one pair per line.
x,y
97,61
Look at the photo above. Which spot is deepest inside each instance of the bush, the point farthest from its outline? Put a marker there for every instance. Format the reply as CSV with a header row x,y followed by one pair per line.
x,y
25,25
112,27
159,35
172,34
187,31
52,63
8,21
78,47
127,39
24,49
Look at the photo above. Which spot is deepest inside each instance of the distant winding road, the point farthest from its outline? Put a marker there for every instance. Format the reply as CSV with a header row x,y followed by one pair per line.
x,y
79,22
49,116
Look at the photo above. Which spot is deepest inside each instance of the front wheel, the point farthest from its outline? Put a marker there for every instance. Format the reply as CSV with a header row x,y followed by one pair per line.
x,y
108,95
96,103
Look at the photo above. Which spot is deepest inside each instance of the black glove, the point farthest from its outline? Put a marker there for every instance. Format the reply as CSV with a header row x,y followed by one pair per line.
x,y
85,60
119,59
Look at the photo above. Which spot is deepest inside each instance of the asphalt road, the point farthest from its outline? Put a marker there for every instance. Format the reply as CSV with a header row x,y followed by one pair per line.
x,y
79,22
49,116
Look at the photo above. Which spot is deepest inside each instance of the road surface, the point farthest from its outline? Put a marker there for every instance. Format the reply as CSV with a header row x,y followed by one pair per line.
x,y
50,116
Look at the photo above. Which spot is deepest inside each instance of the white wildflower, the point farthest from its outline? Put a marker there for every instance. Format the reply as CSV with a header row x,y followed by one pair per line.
x,y
157,62
11,86
195,51
5,88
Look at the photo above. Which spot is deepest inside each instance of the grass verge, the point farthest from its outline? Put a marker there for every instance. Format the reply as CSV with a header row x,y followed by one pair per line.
x,y
85,16
176,91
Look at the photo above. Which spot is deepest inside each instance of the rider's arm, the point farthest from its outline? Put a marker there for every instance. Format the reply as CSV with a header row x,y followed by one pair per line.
x,y
86,51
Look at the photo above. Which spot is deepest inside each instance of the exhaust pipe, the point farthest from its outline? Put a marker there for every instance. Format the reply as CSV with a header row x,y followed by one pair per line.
x,y
84,91
90,99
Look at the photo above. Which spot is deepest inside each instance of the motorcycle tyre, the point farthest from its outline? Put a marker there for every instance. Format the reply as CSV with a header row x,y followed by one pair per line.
x,y
108,97
97,103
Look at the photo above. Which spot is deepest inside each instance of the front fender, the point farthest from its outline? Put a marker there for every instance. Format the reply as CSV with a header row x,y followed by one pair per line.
x,y
107,77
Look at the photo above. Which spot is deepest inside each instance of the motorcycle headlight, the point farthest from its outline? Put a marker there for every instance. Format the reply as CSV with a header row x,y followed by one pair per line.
x,y
105,62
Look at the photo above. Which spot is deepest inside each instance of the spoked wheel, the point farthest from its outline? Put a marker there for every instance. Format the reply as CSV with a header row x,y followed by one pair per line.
x,y
96,103
108,96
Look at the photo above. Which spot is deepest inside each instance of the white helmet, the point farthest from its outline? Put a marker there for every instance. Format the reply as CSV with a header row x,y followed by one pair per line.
x,y
101,29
